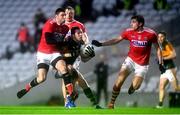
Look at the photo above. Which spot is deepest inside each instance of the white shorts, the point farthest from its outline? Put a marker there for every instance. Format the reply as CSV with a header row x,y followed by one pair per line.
x,y
77,62
46,58
168,75
138,70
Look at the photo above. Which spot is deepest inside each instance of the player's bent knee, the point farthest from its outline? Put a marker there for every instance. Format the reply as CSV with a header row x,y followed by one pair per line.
x,y
41,79
55,61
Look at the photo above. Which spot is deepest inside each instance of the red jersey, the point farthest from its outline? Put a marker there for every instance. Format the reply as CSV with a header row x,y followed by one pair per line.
x,y
76,23
140,44
51,26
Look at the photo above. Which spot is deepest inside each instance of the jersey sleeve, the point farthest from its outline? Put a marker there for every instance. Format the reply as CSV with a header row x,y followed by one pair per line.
x,y
154,38
170,47
48,27
124,34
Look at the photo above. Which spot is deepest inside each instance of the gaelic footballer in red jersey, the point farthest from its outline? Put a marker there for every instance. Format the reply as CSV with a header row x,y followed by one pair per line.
x,y
71,22
141,40
53,34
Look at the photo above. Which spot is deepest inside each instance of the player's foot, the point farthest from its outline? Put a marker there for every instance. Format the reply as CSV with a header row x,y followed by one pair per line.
x,y
69,103
131,90
22,92
159,107
111,106
98,107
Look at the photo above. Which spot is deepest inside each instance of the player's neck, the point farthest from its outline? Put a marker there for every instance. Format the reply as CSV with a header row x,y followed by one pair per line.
x,y
58,23
140,29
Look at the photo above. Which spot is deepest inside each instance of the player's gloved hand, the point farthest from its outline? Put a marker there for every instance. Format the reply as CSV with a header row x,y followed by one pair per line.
x,y
90,51
96,43
162,68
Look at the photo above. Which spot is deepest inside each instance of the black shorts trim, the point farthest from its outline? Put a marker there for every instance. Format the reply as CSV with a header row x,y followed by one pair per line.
x,y
53,63
43,65
169,64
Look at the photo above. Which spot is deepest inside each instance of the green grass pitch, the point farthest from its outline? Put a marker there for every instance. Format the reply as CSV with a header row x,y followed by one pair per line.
x,y
83,110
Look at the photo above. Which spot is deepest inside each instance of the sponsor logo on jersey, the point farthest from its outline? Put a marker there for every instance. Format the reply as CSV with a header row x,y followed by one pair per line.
x,y
138,43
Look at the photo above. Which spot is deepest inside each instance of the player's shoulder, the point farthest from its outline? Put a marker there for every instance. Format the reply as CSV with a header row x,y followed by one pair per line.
x,y
169,44
78,23
149,30
128,29
50,22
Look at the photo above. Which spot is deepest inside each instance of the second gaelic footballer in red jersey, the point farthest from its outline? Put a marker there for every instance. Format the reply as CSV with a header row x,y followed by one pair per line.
x,y
141,40
71,22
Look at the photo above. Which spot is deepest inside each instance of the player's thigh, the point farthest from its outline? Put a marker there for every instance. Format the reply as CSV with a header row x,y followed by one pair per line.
x,y
126,68
139,74
77,62
42,74
58,62
43,62
174,71
123,74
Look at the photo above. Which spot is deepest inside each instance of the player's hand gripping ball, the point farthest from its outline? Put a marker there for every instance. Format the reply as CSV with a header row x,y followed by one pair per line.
x,y
87,52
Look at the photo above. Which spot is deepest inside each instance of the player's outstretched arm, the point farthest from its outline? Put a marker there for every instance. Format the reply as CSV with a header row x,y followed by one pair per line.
x,y
108,42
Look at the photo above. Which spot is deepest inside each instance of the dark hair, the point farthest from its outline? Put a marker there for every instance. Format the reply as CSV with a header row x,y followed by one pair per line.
x,y
69,8
163,33
73,29
139,18
58,10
